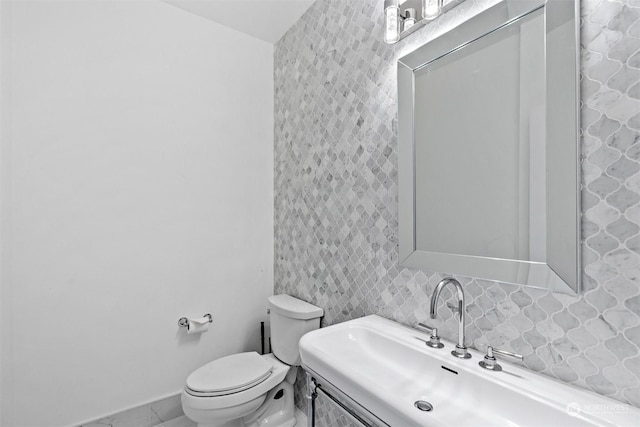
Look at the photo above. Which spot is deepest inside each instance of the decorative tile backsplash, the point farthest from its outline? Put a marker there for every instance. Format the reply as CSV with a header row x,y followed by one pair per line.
x,y
336,189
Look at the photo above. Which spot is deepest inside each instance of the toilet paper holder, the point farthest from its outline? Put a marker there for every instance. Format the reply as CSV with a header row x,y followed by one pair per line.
x,y
183,322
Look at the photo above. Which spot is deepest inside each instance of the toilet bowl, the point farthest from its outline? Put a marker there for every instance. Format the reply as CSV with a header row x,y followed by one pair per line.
x,y
225,403
248,389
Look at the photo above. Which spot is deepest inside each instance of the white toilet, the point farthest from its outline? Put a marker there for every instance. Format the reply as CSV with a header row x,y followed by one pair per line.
x,y
250,390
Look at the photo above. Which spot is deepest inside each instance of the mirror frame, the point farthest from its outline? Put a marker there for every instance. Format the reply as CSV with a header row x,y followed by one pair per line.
x,y
562,145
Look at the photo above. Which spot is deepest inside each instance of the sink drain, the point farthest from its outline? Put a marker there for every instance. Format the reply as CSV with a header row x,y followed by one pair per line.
x,y
423,405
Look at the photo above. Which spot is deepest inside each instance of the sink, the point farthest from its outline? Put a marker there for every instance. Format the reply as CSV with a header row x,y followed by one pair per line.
x,y
386,368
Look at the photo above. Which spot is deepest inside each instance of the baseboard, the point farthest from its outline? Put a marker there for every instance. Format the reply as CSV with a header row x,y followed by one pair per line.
x,y
148,414
165,412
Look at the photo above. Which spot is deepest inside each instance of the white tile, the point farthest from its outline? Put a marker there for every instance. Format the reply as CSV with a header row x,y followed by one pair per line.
x,y
301,418
182,421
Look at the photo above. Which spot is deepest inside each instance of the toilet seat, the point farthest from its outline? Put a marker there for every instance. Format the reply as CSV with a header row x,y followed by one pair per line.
x,y
230,374
202,401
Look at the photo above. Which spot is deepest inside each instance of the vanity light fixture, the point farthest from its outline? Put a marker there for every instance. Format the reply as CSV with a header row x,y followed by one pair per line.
x,y
391,21
431,9
403,17
409,18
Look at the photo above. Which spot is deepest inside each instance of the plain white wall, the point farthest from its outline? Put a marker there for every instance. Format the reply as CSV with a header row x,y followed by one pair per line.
x,y
6,374
3,102
141,190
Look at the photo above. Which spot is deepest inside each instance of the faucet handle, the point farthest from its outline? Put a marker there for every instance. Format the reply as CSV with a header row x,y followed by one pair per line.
x,y
490,363
434,340
505,353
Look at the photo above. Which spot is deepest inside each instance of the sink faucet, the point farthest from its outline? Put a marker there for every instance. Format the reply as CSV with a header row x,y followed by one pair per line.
x,y
461,349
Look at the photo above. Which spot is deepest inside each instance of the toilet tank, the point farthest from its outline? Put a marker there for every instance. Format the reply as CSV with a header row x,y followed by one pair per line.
x,y
290,319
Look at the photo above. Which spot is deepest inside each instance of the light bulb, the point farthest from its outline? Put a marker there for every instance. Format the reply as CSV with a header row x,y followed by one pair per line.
x,y
391,21
431,9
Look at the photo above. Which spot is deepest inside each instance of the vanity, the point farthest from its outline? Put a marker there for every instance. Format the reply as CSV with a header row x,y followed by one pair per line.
x,y
382,373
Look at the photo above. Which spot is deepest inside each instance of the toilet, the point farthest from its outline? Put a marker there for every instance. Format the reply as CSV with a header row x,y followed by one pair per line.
x,y
249,389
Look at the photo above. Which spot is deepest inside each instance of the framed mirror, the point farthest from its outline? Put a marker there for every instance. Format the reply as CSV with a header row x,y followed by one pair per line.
x,y
488,129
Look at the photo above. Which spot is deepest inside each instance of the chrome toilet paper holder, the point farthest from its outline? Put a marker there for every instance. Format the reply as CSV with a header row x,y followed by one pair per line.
x,y
183,322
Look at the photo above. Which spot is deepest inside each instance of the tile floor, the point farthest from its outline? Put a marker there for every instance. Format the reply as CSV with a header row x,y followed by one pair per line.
x,y
183,421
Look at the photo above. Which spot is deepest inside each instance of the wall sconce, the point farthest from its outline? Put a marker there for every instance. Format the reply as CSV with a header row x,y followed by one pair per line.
x,y
403,17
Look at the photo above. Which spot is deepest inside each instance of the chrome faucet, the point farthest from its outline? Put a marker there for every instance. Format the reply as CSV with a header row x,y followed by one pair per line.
x,y
461,349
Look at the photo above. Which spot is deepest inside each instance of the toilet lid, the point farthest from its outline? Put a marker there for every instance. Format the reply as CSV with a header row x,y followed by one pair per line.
x,y
230,373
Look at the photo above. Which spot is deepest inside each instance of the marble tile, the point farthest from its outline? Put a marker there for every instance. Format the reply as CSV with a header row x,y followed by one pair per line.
x,y
182,421
336,190
301,419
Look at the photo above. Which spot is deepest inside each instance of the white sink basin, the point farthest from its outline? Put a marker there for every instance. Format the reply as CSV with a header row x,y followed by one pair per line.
x,y
386,367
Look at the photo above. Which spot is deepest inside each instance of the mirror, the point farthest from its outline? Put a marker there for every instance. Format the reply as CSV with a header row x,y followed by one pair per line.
x,y
488,148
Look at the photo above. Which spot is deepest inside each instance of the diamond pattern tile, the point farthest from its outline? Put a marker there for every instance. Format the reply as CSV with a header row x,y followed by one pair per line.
x,y
336,190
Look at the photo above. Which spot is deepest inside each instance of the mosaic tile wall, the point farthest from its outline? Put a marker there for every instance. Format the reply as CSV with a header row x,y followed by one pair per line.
x,y
336,210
